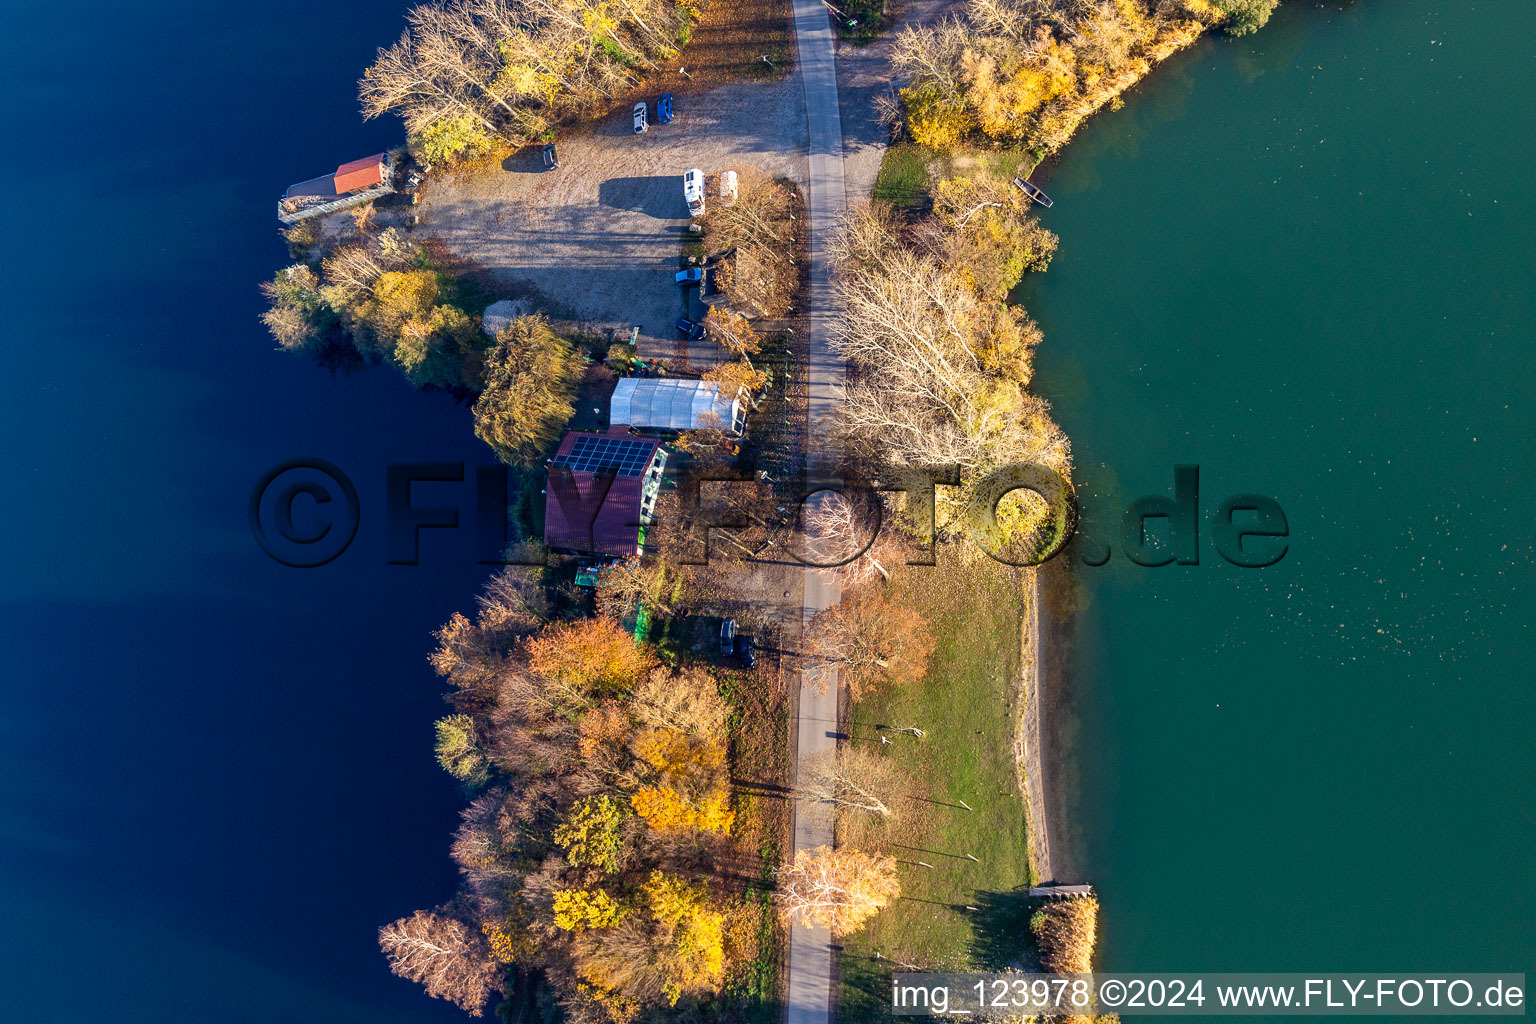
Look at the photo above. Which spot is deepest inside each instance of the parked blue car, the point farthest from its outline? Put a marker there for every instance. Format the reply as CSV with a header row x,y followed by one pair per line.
x,y
689,329
664,108
693,275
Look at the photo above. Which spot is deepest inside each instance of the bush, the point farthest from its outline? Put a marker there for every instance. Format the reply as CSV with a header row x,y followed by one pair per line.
x,y
1065,931
1245,16
452,137
935,121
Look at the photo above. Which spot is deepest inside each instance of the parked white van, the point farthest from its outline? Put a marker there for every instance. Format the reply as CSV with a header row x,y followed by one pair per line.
x,y
693,192
728,188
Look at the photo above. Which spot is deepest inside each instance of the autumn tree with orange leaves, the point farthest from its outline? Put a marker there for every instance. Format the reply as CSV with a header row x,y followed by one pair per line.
x,y
590,657
870,640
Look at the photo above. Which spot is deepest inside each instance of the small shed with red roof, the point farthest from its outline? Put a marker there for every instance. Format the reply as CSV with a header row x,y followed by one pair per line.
x,y
356,174
354,182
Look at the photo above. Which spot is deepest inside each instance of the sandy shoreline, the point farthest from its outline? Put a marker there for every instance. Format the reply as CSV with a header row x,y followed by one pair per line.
x,y
1037,747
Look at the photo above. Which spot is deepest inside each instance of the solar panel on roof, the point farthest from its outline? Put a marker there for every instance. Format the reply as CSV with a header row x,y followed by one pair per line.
x,y
621,456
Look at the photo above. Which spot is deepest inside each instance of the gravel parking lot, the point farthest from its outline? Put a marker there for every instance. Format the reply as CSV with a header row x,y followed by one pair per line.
x,y
598,239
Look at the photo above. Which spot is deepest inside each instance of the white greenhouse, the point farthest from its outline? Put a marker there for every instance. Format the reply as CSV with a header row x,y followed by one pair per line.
x,y
670,403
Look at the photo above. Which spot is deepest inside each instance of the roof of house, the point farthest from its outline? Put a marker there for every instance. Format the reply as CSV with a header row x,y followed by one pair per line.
x,y
323,187
671,403
593,491
364,173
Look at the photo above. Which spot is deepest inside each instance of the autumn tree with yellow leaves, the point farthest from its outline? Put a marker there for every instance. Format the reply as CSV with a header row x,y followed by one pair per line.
x,y
1028,72
670,945
387,298
592,833
530,383
737,378
836,889
680,748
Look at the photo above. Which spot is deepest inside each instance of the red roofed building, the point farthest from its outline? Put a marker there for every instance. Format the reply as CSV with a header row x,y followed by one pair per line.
x,y
364,173
600,492
355,182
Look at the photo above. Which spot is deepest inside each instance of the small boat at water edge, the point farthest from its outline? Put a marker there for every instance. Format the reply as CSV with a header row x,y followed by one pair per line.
x,y
1033,191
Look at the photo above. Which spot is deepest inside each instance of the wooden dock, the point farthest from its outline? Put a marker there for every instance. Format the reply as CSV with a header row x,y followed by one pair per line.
x,y
1046,891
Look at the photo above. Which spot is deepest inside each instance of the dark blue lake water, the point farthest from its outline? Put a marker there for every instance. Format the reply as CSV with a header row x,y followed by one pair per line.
x,y
216,776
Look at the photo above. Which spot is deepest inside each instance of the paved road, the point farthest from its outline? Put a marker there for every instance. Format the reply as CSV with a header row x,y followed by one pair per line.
x,y
810,953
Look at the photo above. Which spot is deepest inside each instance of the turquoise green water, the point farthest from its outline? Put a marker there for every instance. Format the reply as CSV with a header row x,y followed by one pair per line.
x,y
1302,262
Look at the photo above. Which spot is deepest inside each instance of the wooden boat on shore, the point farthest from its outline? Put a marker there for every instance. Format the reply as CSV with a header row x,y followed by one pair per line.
x,y
1033,191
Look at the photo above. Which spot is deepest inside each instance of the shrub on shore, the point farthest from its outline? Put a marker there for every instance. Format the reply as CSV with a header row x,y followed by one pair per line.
x,y
1245,16
1065,931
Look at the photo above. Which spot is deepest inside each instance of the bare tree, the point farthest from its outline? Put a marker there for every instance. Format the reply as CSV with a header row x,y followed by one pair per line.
x,y
852,778
836,889
403,79
932,54
941,369
1015,18
447,956
624,586
291,326
515,602
760,276
850,532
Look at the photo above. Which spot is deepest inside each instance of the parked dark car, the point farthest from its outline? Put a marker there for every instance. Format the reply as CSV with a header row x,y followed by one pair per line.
x,y
664,108
551,158
728,637
746,650
689,329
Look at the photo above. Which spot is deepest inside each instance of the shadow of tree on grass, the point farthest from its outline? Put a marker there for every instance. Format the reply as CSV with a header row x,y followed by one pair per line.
x,y
1001,923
